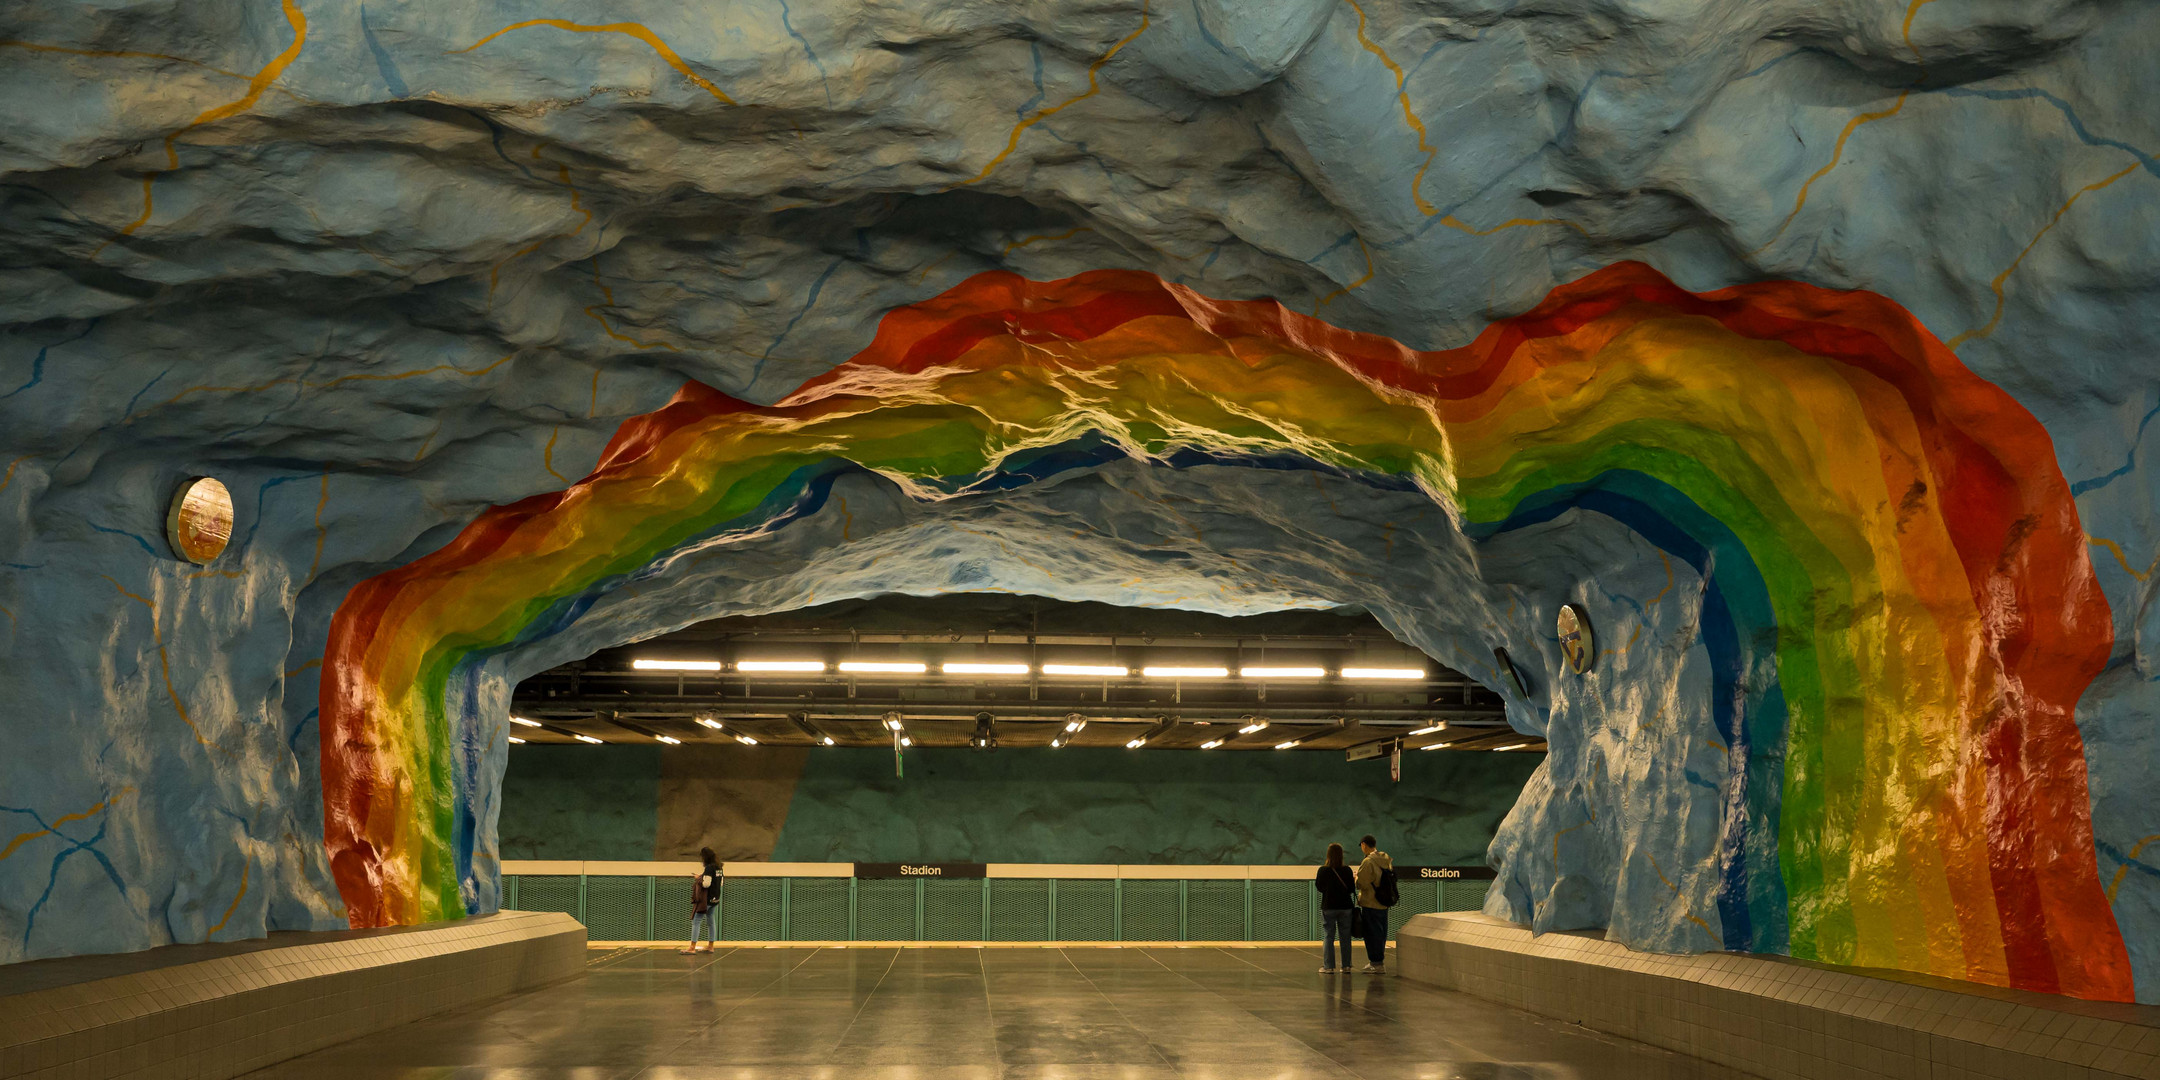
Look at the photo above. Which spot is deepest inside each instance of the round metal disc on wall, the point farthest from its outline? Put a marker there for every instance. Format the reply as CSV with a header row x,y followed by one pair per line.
x,y
1576,643
200,521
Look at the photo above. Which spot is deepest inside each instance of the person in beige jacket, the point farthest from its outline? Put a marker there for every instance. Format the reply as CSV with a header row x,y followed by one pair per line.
x,y
1372,915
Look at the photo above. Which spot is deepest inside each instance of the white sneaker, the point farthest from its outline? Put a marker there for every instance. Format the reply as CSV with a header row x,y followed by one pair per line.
x,y
1369,967
1327,971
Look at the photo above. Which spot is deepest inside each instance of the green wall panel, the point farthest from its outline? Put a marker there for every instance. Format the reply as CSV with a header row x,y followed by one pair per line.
x,y
580,802
1122,806
1028,806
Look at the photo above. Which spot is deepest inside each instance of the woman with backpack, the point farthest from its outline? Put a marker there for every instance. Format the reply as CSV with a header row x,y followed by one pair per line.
x,y
1338,899
1376,893
704,897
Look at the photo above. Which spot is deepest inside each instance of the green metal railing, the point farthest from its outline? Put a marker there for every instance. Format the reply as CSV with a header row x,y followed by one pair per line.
x,y
631,908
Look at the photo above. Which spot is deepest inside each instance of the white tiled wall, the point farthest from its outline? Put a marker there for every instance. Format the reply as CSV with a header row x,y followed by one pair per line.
x,y
214,1018
1785,1019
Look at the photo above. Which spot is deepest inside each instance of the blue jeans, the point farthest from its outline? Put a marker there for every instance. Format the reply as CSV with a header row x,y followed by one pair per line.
x,y
1335,925
704,919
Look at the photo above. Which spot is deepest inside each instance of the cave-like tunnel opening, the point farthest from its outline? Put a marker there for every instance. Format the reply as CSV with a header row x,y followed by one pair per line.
x,y
993,733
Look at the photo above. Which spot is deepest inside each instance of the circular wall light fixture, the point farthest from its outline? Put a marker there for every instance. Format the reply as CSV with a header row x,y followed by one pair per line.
x,y
1576,643
200,521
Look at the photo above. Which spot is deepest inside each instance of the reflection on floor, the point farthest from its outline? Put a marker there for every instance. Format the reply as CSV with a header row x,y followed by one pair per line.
x,y
987,1014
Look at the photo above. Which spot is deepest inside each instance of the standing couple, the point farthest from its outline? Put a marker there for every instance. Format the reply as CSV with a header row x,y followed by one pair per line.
x,y
1355,904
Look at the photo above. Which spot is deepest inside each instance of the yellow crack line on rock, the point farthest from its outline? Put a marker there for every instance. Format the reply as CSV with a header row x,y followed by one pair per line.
x,y
1684,911
1410,116
562,172
1009,248
1837,152
1359,283
63,820
628,29
593,312
2123,870
2116,550
1996,286
547,455
164,662
1012,142
8,477
270,73
235,900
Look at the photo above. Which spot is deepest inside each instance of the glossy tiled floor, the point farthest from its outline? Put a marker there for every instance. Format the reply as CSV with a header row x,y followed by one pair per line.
x,y
986,1014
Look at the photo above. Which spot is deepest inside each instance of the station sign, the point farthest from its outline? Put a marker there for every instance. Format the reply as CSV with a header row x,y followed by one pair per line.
x,y
1445,873
921,870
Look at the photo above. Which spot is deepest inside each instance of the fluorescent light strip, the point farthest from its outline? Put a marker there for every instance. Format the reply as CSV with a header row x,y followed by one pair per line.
x,y
779,665
884,667
1288,745
1437,746
589,739
1136,744
676,665
1086,669
669,739
1257,725
522,720
983,669
1281,672
1431,728
746,740
1185,672
826,741
892,725
1075,726
1211,744
1383,673
1510,746
517,740
711,723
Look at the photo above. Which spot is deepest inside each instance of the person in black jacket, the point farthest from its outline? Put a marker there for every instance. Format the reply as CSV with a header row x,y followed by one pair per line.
x,y
704,897
1338,895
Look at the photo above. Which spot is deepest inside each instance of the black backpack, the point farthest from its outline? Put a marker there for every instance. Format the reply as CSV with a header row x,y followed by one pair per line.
x,y
1385,891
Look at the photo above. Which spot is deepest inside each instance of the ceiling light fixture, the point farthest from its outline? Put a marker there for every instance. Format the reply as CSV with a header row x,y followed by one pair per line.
x,y
1383,673
779,665
675,665
522,720
1437,746
711,722
905,741
883,667
517,740
1185,672
985,737
1252,724
1136,744
1431,728
746,740
669,739
1288,745
1086,669
1075,723
1281,672
826,741
983,669
588,739
1510,746
892,723
1211,744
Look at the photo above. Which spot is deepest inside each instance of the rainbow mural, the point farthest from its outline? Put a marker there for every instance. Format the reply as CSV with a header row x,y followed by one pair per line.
x,y
1899,608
